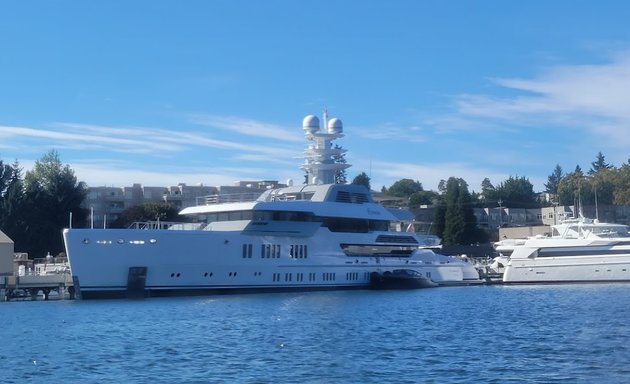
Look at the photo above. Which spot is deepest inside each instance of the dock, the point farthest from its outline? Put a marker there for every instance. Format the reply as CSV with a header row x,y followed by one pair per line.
x,y
34,287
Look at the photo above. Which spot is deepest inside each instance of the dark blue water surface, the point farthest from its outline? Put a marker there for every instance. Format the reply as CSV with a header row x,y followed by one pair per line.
x,y
486,334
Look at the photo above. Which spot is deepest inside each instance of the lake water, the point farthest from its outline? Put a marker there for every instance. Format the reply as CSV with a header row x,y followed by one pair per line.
x,y
486,334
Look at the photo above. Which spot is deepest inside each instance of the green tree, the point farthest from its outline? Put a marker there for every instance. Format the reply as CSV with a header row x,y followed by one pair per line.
x,y
553,180
340,174
621,192
362,179
12,201
573,188
6,171
146,212
602,186
489,196
51,193
599,164
437,228
517,192
404,188
460,224
423,198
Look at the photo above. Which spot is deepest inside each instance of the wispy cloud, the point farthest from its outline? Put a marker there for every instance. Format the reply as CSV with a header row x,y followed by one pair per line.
x,y
589,97
139,140
97,148
392,132
248,127
80,138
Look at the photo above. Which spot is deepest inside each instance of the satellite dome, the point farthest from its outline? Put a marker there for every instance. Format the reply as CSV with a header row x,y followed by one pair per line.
x,y
335,125
310,124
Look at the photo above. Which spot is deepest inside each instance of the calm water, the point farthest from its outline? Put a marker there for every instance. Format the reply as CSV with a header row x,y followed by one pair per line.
x,y
496,334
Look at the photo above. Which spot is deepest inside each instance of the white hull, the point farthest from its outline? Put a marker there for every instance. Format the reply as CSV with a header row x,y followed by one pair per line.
x,y
577,261
188,262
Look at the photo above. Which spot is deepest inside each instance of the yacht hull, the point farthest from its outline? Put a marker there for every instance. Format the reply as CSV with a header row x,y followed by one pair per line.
x,y
141,263
579,264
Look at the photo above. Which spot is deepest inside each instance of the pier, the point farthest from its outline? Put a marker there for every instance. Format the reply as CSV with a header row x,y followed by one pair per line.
x,y
44,278
34,287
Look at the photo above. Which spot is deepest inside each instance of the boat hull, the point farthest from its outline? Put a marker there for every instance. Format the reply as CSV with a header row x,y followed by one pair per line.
x,y
581,264
147,263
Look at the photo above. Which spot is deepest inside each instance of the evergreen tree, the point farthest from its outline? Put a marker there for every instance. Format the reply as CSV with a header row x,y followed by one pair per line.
x,y
517,192
460,224
573,188
52,192
340,174
439,218
602,187
5,175
599,164
554,180
621,193
362,179
489,195
11,201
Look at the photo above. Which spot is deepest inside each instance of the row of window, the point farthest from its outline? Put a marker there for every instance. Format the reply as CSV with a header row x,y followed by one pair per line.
x,y
273,251
298,251
299,277
268,251
335,224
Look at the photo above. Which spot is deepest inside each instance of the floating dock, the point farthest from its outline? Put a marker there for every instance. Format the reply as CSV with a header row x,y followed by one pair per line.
x,y
34,287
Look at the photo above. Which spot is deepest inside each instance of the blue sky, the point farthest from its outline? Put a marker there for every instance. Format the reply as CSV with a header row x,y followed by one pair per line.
x,y
212,92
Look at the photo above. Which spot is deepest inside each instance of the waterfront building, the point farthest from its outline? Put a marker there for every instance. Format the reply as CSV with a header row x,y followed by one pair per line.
x,y
6,256
107,203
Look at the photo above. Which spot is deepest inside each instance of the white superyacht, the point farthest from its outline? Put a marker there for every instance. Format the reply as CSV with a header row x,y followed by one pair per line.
x,y
319,235
578,250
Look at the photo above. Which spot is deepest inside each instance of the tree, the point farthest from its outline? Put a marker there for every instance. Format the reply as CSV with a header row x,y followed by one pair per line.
x,y
460,224
146,212
517,192
362,179
5,175
553,180
404,188
572,188
11,201
51,193
599,164
423,198
488,194
340,174
621,193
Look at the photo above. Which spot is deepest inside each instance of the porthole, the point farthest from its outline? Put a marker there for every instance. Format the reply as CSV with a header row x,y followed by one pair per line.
x,y
120,241
152,241
86,241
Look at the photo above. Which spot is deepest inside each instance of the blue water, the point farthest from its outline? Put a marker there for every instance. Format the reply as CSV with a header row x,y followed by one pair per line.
x,y
488,334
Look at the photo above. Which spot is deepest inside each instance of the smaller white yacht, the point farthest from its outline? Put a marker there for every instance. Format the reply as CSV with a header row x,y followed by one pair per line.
x,y
578,250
